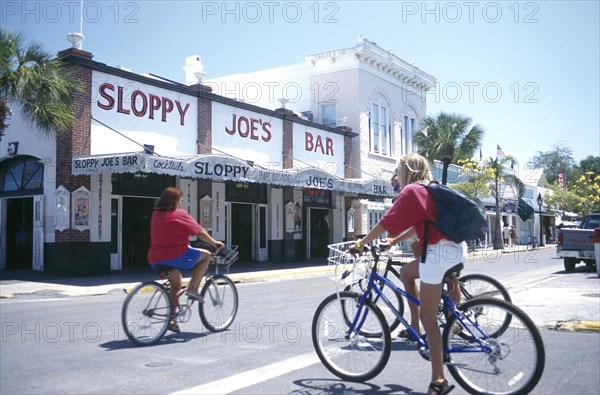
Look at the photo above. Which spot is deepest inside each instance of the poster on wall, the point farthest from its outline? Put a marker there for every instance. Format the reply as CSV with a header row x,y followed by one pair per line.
x,y
206,212
62,196
80,214
289,217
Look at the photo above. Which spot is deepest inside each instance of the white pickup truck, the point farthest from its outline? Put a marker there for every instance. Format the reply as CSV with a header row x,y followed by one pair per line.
x,y
576,245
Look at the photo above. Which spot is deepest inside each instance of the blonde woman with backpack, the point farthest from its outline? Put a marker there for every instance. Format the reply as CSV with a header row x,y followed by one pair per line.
x,y
411,210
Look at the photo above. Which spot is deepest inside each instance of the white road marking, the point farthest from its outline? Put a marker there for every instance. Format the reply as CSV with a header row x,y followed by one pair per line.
x,y
254,376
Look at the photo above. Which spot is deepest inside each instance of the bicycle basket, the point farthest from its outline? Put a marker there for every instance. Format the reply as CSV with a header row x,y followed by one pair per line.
x,y
225,258
346,269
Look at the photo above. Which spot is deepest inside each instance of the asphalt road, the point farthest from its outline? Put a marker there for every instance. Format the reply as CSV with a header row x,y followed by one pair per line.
x,y
75,345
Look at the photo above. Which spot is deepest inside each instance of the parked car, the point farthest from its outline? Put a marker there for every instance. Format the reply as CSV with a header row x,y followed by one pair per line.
x,y
576,245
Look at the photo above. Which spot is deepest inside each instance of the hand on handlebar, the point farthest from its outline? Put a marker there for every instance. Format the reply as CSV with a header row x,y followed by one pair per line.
x,y
357,248
219,245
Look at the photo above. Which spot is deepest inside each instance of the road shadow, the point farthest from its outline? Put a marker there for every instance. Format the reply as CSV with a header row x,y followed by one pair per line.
x,y
169,338
339,387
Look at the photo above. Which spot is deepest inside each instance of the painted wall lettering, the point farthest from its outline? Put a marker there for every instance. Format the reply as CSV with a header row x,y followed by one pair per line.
x,y
249,128
315,144
140,103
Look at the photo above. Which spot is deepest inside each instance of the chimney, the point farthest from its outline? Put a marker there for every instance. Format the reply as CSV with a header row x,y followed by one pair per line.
x,y
194,70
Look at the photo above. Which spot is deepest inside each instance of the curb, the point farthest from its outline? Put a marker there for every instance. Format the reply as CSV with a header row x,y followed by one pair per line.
x,y
575,326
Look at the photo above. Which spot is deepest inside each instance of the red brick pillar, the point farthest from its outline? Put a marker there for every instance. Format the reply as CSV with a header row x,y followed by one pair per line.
x,y
204,138
290,248
76,140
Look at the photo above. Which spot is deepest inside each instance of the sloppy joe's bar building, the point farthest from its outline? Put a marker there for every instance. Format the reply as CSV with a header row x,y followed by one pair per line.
x,y
80,203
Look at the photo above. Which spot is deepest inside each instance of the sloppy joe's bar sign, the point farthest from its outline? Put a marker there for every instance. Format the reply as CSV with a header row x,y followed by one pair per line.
x,y
225,168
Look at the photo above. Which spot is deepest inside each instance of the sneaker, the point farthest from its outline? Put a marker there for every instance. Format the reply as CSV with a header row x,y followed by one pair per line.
x,y
195,296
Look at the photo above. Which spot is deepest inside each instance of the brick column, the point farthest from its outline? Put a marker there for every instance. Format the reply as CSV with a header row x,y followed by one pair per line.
x,y
204,138
76,140
288,138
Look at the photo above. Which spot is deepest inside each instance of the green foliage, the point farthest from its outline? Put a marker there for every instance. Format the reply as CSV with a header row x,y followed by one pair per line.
x,y
30,77
587,187
563,199
477,177
448,138
560,158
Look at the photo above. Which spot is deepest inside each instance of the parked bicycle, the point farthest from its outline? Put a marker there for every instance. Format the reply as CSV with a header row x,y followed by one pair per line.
x,y
146,310
471,286
482,353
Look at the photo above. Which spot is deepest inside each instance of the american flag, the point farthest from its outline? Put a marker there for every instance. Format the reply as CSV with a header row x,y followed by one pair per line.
x,y
499,151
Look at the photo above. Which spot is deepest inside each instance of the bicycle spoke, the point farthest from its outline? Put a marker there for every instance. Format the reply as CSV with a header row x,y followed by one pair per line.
x,y
509,362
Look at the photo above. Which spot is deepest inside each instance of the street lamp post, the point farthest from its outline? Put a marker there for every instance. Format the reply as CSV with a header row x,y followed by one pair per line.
x,y
539,202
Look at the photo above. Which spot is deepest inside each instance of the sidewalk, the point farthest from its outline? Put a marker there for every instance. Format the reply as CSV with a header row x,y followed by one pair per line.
x,y
19,283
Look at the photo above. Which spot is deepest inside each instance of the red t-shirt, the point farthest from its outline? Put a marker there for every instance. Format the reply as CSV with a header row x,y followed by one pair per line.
x,y
413,207
169,234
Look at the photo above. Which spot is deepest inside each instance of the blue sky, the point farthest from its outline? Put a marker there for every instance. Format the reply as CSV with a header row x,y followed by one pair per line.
x,y
526,71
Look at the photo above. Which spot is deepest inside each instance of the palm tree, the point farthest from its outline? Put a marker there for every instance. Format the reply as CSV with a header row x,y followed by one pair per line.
x,y
32,79
498,166
449,138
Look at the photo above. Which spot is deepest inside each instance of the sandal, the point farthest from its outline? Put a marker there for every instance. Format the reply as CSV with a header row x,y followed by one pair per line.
x,y
173,327
406,334
440,389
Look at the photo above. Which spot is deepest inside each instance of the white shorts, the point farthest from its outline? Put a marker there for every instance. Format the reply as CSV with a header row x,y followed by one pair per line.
x,y
441,257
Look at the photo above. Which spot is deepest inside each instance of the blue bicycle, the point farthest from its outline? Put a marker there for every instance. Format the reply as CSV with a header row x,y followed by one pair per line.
x,y
490,345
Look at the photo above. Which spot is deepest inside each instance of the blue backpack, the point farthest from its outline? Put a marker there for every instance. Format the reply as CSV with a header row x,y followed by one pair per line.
x,y
458,217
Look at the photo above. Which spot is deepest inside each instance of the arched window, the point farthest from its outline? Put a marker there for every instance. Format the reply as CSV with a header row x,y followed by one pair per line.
x,y
21,176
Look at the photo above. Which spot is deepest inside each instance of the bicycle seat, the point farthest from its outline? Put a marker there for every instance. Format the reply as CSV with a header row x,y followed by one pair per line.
x,y
159,270
454,270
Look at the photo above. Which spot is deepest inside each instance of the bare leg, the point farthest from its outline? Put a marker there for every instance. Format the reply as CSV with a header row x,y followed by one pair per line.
x,y
175,279
430,299
199,271
453,288
409,274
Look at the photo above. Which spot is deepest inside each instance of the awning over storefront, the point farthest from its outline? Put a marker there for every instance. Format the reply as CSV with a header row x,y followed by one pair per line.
x,y
226,168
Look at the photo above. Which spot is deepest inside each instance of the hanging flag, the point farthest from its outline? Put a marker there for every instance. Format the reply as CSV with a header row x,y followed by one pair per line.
x,y
499,151
480,155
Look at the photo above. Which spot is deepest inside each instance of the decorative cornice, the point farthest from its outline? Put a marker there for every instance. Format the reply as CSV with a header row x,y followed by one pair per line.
x,y
369,53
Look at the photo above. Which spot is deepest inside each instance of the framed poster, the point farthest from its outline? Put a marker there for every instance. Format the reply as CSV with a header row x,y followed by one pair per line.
x,y
206,212
80,209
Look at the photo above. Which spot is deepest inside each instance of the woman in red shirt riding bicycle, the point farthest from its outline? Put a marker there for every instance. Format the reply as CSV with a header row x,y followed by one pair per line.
x,y
170,230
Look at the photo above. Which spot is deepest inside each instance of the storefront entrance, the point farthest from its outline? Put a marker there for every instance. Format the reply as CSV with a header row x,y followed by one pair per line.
x,y
136,230
319,232
19,231
241,230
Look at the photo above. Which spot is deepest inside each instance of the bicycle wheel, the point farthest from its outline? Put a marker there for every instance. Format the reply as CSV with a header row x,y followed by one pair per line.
x,y
145,313
351,357
220,303
515,362
481,285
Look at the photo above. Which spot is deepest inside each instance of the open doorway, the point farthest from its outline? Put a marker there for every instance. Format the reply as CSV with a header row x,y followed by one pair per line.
x,y
319,232
136,230
19,229
241,230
